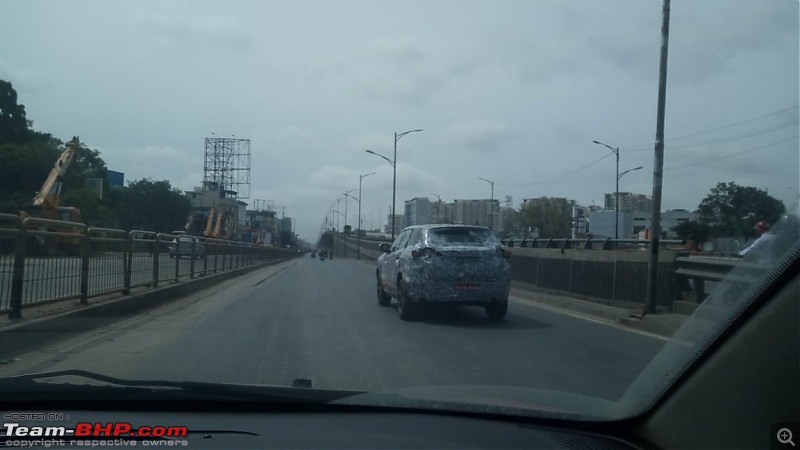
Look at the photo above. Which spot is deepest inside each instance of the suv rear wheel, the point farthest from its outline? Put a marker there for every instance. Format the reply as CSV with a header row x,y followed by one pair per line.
x,y
384,299
497,310
405,308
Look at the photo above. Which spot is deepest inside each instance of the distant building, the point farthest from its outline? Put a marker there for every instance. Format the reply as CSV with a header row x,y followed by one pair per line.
x,y
417,211
447,213
505,216
115,179
259,227
601,223
477,212
669,219
208,200
285,224
398,224
629,202
580,221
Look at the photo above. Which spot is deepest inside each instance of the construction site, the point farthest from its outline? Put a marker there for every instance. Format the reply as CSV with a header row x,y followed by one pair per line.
x,y
219,209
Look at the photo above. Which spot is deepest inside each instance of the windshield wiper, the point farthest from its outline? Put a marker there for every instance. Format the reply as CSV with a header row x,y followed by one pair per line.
x,y
30,386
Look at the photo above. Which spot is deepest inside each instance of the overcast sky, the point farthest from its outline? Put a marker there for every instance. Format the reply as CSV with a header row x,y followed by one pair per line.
x,y
513,91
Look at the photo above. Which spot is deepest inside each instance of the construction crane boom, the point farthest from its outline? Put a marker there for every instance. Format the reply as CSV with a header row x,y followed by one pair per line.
x,y
51,189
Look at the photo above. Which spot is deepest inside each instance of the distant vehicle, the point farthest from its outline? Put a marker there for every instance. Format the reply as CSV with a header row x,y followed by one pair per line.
x,y
182,246
313,254
444,265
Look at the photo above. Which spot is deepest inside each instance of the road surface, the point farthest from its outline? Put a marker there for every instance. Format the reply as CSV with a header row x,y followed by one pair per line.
x,y
320,320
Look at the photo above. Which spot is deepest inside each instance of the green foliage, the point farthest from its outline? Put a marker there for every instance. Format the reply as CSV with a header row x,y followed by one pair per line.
x,y
14,125
94,211
87,164
550,215
692,230
731,210
28,156
154,206
24,169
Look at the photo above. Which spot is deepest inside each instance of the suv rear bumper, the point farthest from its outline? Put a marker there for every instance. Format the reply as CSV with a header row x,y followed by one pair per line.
x,y
458,292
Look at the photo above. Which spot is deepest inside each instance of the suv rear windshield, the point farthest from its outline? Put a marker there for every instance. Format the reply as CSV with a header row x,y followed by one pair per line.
x,y
461,236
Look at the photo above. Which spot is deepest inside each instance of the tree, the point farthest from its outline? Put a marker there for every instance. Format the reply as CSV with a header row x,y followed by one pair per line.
x,y
14,125
551,215
731,210
692,230
22,172
154,206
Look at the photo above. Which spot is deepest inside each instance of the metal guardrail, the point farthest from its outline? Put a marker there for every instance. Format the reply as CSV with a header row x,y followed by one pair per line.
x,y
610,277
699,270
561,243
587,244
43,260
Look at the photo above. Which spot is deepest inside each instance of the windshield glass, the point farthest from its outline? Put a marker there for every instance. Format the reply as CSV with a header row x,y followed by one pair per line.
x,y
461,236
259,180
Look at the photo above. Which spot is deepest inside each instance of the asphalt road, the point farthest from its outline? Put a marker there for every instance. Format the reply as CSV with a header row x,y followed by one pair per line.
x,y
321,321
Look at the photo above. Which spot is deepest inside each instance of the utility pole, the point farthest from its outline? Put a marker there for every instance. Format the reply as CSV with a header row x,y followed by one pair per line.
x,y
491,204
658,167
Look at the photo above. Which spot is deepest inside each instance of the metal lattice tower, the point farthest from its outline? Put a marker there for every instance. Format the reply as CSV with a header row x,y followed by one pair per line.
x,y
227,166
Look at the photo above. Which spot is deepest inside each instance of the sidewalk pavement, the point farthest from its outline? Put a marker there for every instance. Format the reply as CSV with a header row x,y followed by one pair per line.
x,y
661,324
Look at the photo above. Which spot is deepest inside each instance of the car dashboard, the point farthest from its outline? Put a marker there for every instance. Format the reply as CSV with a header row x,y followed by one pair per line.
x,y
319,429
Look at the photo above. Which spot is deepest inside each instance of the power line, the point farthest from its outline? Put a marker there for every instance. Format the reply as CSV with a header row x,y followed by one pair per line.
x,y
556,178
697,163
722,127
727,139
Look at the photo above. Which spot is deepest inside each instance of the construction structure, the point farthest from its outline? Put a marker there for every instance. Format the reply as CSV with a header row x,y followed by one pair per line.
x,y
261,223
217,209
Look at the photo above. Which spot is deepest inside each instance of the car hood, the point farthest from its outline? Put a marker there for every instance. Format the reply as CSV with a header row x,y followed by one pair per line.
x,y
493,399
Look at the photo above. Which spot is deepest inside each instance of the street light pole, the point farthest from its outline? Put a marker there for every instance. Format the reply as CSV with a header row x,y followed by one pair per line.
x,y
491,204
397,137
616,192
358,229
346,194
616,200
437,218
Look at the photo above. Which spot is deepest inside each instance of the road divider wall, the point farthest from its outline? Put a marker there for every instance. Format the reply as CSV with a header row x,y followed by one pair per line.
x,y
612,277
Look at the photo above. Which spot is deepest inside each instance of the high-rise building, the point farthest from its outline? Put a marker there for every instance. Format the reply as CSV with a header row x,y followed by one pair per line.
x,y
629,202
285,224
398,224
417,211
476,212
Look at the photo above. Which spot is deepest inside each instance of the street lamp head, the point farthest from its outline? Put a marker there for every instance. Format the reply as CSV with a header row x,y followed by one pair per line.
x,y
381,156
397,136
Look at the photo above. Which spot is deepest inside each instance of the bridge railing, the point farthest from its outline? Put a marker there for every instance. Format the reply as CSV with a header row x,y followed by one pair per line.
x,y
617,277
699,270
44,260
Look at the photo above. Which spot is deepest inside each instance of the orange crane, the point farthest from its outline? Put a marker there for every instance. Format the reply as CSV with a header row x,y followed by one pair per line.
x,y
45,202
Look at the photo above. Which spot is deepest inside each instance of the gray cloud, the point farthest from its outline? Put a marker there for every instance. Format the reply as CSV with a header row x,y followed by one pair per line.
x,y
176,31
480,135
513,92
399,70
